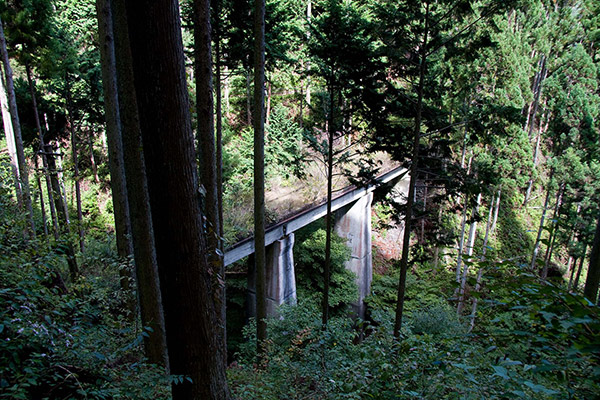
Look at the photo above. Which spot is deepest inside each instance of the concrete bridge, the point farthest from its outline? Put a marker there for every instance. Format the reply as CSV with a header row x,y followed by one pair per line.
x,y
352,221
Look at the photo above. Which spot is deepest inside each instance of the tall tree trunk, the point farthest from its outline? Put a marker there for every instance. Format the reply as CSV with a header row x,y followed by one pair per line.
x,y
537,91
61,187
41,192
259,173
10,142
38,126
307,67
219,110
572,276
226,92
118,185
470,244
413,180
436,250
536,247
463,153
166,130
74,153
473,227
535,157
329,217
579,269
496,210
62,214
16,125
541,132
488,226
461,242
593,274
219,156
553,231
208,160
93,159
423,217
119,82
569,240
268,110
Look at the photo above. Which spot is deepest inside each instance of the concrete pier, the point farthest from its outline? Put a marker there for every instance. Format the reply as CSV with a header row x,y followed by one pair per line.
x,y
281,276
353,223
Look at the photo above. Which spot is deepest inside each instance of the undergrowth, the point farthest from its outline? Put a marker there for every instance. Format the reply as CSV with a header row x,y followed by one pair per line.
x,y
537,342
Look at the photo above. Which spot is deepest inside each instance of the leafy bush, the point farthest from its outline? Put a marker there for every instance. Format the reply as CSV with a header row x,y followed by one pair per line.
x,y
549,350
283,149
436,319
67,342
310,264
283,141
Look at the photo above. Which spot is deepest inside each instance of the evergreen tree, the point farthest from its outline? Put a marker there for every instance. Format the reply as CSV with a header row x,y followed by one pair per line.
x,y
165,124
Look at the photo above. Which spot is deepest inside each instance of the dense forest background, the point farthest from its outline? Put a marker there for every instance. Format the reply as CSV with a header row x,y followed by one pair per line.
x,y
142,140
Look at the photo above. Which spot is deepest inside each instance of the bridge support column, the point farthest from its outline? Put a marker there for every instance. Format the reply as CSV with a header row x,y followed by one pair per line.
x,y
353,223
281,278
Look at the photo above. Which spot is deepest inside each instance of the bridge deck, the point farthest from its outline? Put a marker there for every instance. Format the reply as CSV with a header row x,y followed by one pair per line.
x,y
275,232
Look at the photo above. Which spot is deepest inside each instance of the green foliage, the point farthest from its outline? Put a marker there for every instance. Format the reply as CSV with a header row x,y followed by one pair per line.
x,y
283,149
310,263
284,154
67,342
435,319
283,158
542,345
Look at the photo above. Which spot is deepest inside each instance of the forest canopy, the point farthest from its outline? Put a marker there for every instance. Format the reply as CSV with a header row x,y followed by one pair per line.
x,y
143,142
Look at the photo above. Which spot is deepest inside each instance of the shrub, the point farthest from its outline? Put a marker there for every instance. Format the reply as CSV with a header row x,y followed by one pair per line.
x,y
310,264
436,319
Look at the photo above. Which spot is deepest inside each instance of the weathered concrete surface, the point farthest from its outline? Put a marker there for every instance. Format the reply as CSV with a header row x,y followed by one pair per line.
x,y
353,223
281,277
246,247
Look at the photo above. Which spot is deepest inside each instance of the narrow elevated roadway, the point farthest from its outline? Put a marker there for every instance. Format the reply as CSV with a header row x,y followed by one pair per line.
x,y
281,229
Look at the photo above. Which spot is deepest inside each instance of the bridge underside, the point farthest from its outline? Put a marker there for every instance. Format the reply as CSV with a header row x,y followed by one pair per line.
x,y
352,221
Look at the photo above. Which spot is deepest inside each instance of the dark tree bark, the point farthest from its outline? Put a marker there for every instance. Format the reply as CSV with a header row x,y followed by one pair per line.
x,y
115,149
61,211
74,154
537,91
413,180
207,157
93,159
38,126
128,128
593,275
219,110
168,142
572,276
41,194
553,231
259,172
536,246
14,113
579,268
328,217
